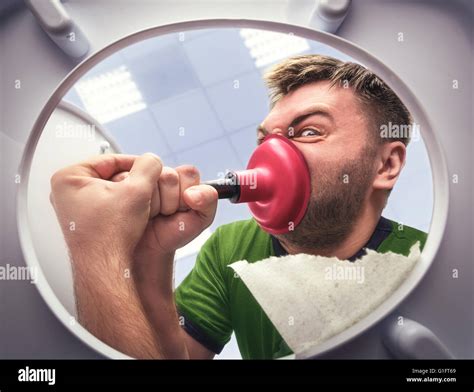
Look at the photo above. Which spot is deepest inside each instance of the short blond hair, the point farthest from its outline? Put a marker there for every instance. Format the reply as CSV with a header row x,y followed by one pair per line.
x,y
382,104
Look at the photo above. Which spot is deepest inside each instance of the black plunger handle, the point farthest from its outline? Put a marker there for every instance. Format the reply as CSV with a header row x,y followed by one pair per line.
x,y
227,188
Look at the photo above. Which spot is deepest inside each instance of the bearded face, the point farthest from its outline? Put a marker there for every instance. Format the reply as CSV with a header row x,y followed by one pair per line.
x,y
339,190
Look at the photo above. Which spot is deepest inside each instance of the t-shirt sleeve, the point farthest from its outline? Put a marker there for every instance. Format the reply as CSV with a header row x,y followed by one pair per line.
x,y
202,299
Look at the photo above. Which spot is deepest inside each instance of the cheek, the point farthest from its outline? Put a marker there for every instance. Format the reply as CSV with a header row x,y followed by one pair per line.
x,y
319,163
321,160
325,168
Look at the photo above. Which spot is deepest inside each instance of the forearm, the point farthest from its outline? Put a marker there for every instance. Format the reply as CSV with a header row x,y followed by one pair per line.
x,y
109,306
153,276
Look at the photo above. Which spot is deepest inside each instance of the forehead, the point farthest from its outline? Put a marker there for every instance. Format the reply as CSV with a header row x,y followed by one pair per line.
x,y
337,100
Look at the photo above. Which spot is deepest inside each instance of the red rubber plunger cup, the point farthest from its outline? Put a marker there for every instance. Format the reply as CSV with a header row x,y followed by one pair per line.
x,y
276,185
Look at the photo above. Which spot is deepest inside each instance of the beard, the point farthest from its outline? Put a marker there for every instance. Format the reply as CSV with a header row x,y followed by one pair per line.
x,y
336,203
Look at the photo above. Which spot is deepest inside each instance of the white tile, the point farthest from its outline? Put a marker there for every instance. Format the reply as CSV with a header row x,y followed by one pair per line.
x,y
245,143
212,159
218,56
187,120
240,105
138,133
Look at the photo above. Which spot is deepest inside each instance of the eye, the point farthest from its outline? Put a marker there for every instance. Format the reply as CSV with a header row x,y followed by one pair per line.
x,y
310,132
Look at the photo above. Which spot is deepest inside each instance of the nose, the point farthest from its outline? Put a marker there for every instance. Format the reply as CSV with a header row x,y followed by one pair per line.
x,y
277,131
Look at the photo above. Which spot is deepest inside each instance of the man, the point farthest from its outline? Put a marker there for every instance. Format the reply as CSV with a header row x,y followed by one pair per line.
x,y
132,213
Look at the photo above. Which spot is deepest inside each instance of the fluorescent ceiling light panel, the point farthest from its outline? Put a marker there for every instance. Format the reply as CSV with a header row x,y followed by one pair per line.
x,y
110,95
268,47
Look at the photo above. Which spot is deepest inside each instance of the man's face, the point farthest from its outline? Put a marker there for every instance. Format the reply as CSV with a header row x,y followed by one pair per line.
x,y
329,127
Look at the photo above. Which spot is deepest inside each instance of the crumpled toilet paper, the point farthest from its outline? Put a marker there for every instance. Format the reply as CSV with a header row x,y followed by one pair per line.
x,y
312,298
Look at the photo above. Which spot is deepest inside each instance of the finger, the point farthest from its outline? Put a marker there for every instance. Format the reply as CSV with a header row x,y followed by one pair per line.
x,y
146,171
155,202
120,176
203,200
103,166
168,185
155,198
188,176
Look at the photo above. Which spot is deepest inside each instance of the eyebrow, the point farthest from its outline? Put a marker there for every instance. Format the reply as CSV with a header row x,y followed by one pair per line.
x,y
312,111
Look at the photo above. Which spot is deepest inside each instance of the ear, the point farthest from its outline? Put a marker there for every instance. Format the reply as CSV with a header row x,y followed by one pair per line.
x,y
390,162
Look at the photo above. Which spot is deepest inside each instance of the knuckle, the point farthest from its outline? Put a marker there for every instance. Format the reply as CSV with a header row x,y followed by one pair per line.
x,y
51,198
169,177
138,189
57,179
190,171
153,157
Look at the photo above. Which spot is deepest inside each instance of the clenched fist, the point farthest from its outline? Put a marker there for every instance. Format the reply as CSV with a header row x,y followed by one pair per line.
x,y
130,205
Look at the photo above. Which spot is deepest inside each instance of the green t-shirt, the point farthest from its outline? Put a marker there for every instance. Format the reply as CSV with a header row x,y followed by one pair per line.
x,y
214,302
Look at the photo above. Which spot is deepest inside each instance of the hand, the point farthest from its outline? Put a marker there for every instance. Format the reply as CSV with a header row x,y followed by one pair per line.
x,y
181,210
99,216
103,221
